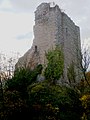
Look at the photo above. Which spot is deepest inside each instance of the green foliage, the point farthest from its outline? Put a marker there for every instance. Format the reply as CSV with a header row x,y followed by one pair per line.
x,y
13,105
84,89
54,102
23,77
24,97
55,64
85,96
15,95
86,104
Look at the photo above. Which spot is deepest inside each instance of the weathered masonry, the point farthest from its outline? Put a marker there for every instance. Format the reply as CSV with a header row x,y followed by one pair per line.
x,y
53,27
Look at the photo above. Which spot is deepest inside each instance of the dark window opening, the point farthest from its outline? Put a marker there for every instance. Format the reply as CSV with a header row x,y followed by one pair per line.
x,y
35,48
66,30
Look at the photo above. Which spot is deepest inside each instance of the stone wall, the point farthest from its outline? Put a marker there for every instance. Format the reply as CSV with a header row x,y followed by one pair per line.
x,y
53,27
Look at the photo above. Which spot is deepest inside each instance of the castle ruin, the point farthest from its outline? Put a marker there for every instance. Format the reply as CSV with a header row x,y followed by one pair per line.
x,y
53,27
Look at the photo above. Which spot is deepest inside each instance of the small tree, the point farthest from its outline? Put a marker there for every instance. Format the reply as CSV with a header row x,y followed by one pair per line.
x,y
85,62
55,64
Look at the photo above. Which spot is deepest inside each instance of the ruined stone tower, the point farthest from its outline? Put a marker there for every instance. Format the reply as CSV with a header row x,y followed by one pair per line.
x,y
52,27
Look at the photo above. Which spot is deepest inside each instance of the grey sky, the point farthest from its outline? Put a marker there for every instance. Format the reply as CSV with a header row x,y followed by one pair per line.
x,y
78,10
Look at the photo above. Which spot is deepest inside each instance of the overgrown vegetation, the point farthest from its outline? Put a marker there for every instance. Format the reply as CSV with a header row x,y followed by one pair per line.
x,y
23,96
55,64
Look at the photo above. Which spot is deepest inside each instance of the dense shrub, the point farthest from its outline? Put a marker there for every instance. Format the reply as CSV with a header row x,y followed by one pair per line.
x,y
22,78
54,102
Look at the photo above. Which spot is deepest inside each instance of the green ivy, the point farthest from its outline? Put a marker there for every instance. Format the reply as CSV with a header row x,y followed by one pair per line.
x,y
55,64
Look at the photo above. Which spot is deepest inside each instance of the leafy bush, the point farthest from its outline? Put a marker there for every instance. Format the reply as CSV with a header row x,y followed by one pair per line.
x,y
13,106
15,96
55,64
22,78
86,104
54,102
